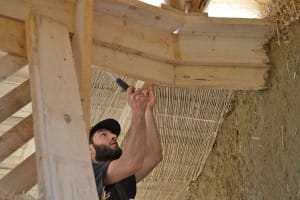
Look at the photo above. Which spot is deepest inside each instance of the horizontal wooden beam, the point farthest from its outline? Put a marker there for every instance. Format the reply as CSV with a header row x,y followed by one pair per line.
x,y
238,78
201,41
9,64
214,50
14,100
62,11
132,65
154,17
16,137
19,180
122,32
12,35
142,68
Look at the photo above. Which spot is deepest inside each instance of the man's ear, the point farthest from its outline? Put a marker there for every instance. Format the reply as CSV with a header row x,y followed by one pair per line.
x,y
92,151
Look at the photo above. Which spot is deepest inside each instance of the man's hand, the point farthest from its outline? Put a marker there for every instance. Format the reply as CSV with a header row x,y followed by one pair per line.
x,y
137,100
151,99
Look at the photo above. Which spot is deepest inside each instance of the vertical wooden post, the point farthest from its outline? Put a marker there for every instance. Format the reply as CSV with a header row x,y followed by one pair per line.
x,y
82,47
64,164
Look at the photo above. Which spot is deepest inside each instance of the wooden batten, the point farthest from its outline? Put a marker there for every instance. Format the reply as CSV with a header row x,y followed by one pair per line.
x,y
16,137
132,65
14,100
19,180
9,64
238,78
59,128
82,47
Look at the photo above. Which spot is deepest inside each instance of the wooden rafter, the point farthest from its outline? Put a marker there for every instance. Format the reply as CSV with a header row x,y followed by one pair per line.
x,y
16,137
14,100
19,180
9,64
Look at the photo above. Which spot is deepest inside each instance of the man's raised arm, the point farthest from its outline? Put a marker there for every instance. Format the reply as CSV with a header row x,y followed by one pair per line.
x,y
134,151
153,151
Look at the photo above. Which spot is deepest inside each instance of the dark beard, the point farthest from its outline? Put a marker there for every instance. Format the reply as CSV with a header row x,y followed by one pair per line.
x,y
104,153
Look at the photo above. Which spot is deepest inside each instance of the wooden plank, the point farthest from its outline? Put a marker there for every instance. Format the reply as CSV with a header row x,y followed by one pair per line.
x,y
62,11
82,47
9,64
157,18
121,32
14,100
132,65
239,78
12,36
57,113
16,137
214,50
19,180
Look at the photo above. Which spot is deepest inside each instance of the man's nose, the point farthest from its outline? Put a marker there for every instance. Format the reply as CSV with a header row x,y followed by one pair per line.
x,y
113,137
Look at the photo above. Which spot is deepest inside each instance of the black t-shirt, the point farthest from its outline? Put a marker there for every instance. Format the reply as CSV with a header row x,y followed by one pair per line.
x,y
122,190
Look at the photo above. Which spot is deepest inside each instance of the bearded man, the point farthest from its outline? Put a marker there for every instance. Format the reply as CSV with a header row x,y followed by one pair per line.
x,y
116,171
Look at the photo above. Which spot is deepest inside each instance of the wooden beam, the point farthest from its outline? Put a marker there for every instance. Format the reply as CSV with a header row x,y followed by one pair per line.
x,y
239,78
121,32
9,64
16,137
154,17
14,100
62,11
214,50
132,65
202,41
19,180
12,36
57,113
82,47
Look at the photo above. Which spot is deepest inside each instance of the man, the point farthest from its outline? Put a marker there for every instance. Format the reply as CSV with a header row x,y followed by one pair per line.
x,y
117,172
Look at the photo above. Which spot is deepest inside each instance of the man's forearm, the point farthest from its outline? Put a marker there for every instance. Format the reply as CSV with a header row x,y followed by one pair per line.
x,y
134,149
153,148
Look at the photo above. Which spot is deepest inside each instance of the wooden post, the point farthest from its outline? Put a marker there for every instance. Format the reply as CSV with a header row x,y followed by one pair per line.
x,y
64,164
82,47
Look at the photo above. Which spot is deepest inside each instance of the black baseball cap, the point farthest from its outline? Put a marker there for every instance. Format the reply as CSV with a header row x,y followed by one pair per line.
x,y
109,124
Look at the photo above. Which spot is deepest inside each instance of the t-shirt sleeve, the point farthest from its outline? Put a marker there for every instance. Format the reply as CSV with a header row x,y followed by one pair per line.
x,y
100,170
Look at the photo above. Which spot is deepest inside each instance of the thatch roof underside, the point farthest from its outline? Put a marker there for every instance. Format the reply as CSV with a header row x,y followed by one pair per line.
x,y
188,120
